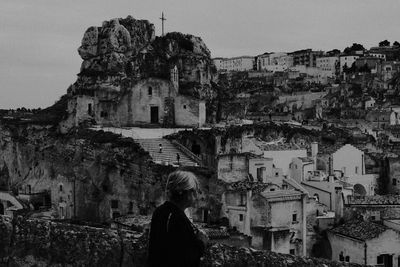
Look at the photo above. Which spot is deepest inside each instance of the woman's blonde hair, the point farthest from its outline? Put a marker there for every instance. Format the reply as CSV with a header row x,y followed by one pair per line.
x,y
180,181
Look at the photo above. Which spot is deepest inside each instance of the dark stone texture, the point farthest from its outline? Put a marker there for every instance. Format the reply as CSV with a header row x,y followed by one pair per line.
x,y
47,243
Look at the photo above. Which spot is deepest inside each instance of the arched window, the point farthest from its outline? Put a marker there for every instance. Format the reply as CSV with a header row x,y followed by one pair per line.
x,y
150,91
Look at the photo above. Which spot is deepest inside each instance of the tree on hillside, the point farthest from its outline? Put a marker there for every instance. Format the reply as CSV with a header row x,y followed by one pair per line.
x,y
397,44
384,43
355,47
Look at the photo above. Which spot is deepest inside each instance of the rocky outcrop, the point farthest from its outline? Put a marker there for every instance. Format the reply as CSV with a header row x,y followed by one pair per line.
x,y
45,243
124,51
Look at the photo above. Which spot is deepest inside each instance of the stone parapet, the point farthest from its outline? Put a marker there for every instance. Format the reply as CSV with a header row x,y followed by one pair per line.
x,y
28,242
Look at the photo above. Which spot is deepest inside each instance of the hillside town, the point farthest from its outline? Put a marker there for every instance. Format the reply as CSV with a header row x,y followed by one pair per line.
x,y
297,153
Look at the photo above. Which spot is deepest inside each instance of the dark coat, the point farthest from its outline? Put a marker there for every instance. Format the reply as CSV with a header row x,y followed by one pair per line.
x,y
173,240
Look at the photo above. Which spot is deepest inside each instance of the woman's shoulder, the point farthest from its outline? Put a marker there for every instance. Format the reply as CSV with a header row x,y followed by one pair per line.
x,y
165,209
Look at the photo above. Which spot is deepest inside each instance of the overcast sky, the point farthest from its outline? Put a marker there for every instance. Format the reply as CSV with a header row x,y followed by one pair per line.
x,y
39,38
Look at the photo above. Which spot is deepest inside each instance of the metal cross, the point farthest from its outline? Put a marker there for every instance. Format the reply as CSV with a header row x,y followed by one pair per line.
x,y
162,22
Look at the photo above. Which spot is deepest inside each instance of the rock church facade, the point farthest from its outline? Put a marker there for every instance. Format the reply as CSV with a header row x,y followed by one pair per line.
x,y
130,77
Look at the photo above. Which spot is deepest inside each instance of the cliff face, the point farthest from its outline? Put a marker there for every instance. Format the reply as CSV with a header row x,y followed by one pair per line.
x,y
82,172
88,175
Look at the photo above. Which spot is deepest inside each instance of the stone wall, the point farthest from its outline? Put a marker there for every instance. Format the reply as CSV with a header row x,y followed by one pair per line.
x,y
45,243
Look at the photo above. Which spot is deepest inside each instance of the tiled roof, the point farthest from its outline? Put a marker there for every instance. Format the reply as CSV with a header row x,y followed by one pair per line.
x,y
361,230
281,193
375,200
246,185
306,159
279,147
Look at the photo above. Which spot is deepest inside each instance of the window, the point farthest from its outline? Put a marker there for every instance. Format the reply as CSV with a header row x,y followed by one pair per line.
x,y
292,251
103,114
356,170
150,91
130,207
90,109
242,199
394,181
294,217
379,259
341,257
272,189
184,106
114,204
347,258
241,217
60,188
260,174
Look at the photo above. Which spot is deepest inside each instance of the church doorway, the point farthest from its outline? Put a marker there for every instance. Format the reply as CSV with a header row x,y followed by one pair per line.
x,y
154,114
1,209
196,149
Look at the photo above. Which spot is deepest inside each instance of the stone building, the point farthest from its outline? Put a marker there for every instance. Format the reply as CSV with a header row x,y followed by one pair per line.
x,y
348,164
241,166
242,63
306,57
328,68
373,208
9,204
254,200
366,243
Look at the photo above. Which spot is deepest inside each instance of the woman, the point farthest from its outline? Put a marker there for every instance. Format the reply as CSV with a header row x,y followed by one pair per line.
x,y
174,240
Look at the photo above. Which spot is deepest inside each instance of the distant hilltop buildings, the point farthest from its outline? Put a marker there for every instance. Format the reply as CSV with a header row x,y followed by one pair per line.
x,y
320,65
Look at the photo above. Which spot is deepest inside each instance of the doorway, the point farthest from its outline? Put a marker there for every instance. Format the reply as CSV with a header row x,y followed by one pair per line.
x,y
1,209
154,114
385,260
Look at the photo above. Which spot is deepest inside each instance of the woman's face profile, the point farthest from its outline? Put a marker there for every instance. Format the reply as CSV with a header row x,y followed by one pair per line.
x,y
191,198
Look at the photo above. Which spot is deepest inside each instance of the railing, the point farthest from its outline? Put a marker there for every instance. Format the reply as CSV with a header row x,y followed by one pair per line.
x,y
187,152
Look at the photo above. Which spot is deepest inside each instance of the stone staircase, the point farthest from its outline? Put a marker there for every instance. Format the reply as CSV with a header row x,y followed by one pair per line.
x,y
169,152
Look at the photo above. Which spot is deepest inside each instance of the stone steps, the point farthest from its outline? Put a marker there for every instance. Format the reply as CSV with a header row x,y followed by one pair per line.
x,y
168,154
